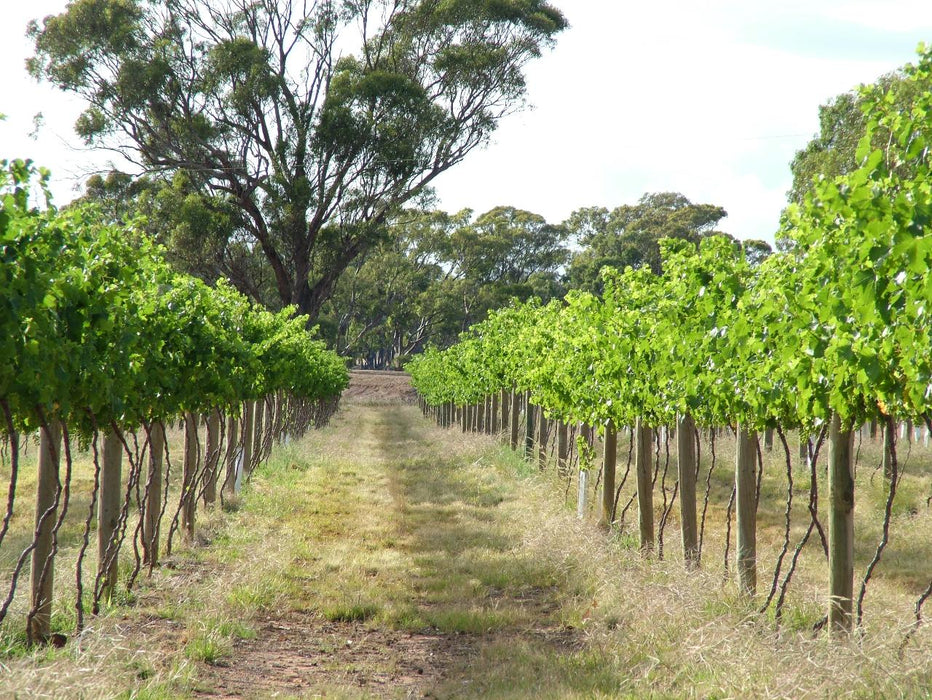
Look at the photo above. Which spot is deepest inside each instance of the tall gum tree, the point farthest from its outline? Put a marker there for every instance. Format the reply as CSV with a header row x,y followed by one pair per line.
x,y
316,119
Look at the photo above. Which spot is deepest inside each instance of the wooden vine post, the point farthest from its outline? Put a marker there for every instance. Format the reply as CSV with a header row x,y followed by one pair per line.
x,y
609,460
505,403
48,487
213,451
528,427
515,410
563,447
249,417
258,423
840,528
543,436
746,510
643,450
231,457
150,525
189,472
108,513
686,466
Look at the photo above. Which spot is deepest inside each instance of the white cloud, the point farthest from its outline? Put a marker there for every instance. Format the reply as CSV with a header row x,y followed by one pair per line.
x,y
670,96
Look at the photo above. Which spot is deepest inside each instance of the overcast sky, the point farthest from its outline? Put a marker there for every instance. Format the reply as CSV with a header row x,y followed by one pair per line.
x,y
707,98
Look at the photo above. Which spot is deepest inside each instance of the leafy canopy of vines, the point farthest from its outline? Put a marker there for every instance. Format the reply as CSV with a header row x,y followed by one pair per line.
x,y
838,323
94,325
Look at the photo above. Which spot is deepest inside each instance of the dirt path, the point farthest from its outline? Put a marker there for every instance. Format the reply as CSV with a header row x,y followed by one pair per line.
x,y
416,570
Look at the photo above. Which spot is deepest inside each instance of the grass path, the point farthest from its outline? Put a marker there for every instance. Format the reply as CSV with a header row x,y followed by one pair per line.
x,y
407,574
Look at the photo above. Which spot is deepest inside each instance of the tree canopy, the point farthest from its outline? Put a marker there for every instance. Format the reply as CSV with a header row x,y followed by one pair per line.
x,y
843,122
314,121
439,273
630,235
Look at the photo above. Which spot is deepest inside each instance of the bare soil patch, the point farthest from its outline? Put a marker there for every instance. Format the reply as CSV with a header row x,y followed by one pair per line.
x,y
379,387
302,653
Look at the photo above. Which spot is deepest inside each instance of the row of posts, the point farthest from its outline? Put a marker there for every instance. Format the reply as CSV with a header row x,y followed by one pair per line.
x,y
241,447
499,413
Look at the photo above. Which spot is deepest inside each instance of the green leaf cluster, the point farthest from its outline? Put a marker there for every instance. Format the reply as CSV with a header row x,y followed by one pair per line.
x,y
839,323
95,325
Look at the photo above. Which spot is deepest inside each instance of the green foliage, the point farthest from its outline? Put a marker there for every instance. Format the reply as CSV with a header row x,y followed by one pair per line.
x,y
437,274
298,131
630,235
839,323
96,327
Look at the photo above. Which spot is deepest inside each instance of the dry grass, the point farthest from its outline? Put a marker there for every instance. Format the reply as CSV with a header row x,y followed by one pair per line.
x,y
383,557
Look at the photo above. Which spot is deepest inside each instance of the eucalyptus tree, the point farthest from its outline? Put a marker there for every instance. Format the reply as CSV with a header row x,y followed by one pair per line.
x,y
316,119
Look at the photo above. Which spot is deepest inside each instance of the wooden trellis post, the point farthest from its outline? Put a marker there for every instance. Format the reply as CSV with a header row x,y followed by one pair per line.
x,y
609,460
43,567
840,527
686,466
643,452
108,512
746,510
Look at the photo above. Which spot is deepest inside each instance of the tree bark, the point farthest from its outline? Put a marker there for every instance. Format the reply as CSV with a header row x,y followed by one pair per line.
x,y
686,466
643,452
841,528
746,510
108,512
48,488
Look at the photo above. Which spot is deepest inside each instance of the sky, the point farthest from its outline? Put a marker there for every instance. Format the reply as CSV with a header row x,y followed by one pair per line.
x,y
709,98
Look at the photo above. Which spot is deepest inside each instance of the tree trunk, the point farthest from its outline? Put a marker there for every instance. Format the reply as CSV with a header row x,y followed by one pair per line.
x,y
189,476
48,488
609,460
213,456
840,528
746,510
151,523
108,513
494,423
686,465
643,452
